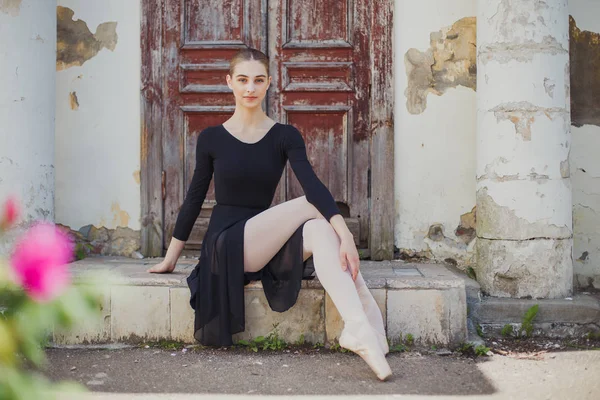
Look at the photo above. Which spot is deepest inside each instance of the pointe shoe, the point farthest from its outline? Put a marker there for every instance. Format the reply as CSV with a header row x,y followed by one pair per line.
x,y
383,343
373,313
361,338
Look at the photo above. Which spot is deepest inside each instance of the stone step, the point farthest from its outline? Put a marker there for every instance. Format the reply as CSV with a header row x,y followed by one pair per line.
x,y
569,317
425,300
572,316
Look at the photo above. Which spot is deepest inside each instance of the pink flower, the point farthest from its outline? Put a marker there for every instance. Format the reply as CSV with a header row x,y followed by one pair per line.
x,y
10,213
39,261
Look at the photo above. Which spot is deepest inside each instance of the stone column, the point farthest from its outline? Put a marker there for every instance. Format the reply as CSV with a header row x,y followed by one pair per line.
x,y
27,105
524,211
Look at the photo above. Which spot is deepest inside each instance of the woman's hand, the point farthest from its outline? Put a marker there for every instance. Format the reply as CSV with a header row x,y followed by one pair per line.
x,y
348,253
349,256
167,265
164,267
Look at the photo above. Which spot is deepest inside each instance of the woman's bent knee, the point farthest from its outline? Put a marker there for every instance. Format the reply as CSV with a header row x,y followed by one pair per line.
x,y
317,228
309,206
317,231
318,225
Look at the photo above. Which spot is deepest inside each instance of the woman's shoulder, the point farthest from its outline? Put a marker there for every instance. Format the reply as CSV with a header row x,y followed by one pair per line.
x,y
207,140
290,136
287,127
288,130
210,130
208,133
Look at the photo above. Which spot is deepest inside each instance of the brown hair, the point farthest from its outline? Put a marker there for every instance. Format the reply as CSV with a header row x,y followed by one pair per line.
x,y
248,54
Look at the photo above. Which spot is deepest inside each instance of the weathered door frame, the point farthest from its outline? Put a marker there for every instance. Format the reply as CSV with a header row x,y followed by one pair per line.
x,y
381,230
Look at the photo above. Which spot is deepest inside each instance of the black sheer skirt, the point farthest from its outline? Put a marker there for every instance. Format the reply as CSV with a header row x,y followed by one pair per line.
x,y
217,282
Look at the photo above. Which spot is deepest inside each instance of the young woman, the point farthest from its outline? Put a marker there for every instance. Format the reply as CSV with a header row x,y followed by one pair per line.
x,y
246,240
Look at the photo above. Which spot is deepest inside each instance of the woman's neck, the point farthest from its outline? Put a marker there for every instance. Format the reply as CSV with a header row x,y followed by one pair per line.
x,y
249,118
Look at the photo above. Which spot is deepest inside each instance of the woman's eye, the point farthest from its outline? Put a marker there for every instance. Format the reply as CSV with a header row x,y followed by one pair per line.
x,y
259,80
242,80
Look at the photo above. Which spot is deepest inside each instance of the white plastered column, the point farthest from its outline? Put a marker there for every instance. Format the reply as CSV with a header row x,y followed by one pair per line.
x,y
27,106
524,207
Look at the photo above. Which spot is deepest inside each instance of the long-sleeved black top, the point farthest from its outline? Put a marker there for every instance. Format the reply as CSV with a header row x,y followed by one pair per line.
x,y
247,174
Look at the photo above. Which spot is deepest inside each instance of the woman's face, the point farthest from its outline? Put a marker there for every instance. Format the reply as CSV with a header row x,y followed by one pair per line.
x,y
249,83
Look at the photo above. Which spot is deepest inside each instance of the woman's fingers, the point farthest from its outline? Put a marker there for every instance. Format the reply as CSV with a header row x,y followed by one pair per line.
x,y
343,261
160,268
354,266
154,269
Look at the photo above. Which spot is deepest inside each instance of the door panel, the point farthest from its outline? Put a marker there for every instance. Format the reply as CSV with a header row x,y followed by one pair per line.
x,y
321,85
317,23
326,132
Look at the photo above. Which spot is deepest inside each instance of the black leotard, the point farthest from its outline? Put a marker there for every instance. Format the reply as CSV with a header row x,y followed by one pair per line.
x,y
246,177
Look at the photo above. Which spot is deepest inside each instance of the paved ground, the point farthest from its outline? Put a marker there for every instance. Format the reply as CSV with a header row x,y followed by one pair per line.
x,y
563,375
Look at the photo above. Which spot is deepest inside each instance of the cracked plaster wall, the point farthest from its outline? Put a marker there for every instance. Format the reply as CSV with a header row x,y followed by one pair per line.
x,y
435,126
27,48
584,160
423,226
98,114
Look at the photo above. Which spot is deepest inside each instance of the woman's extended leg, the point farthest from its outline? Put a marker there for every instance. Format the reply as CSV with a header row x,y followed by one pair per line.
x,y
322,241
372,310
266,233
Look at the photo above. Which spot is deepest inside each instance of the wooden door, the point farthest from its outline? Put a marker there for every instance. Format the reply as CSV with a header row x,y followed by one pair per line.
x,y
321,63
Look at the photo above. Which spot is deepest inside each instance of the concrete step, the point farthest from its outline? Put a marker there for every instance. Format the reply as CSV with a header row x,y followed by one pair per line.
x,y
572,316
569,317
425,300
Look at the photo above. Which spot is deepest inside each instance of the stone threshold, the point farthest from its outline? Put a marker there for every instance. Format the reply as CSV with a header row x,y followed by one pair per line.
x,y
377,275
427,301
572,316
562,318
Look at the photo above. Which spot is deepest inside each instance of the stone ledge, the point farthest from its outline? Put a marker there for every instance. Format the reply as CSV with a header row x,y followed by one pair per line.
x,y
377,275
425,300
582,309
569,317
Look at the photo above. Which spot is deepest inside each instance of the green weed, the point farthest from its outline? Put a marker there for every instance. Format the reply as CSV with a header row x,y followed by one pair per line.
x,y
481,350
335,346
165,345
271,342
527,324
468,349
479,330
507,330
80,252
300,341
398,348
471,273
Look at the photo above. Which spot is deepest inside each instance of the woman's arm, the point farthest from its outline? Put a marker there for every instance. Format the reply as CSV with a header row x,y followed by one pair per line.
x,y
318,195
173,252
316,192
191,206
